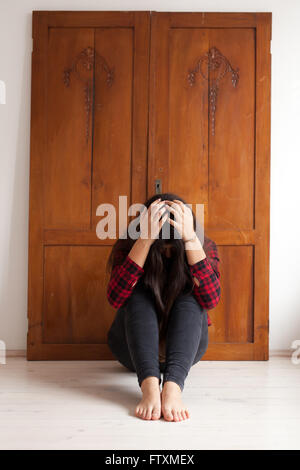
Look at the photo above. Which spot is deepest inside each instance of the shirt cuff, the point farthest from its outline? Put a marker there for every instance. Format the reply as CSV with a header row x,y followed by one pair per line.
x,y
203,266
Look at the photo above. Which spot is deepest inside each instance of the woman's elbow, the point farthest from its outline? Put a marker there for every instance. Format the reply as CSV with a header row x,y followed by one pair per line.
x,y
114,302
213,301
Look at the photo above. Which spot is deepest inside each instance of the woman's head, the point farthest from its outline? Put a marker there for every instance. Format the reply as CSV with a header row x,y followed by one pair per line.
x,y
166,271
168,233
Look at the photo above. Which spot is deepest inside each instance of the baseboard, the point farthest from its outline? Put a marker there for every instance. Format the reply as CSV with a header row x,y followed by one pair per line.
x,y
272,352
15,353
280,352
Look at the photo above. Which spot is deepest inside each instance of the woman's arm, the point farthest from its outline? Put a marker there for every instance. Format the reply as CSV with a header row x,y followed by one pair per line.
x,y
140,250
206,274
204,268
194,251
125,275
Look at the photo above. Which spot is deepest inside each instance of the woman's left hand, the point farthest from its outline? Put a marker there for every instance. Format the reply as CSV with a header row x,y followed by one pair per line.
x,y
183,222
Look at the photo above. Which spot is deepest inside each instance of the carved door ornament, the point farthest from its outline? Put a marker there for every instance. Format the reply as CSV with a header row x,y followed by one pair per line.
x,y
214,60
87,61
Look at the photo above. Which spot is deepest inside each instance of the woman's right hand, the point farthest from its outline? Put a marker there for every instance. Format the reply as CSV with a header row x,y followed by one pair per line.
x,y
150,224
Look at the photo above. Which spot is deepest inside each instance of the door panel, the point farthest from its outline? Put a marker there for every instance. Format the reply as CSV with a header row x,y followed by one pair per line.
x,y
233,322
113,124
88,146
209,143
74,311
187,129
67,163
232,148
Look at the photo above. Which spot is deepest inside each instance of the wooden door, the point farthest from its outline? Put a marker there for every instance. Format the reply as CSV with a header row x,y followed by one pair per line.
x,y
89,118
209,141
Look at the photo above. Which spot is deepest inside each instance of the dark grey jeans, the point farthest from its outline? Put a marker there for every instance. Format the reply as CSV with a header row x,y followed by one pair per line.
x,y
133,337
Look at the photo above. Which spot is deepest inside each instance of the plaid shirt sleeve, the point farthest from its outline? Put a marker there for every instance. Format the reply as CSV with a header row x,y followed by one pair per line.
x,y
207,273
123,278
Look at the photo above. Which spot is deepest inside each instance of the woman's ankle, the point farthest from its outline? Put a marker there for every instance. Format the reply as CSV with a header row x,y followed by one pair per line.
x,y
170,385
150,382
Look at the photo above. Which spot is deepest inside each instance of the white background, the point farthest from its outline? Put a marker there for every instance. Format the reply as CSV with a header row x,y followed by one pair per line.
x,y
15,71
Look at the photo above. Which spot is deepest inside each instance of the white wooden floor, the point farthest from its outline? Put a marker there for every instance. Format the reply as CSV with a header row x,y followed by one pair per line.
x,y
90,405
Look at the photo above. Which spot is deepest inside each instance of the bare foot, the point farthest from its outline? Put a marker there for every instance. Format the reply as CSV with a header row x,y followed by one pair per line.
x,y
150,405
172,407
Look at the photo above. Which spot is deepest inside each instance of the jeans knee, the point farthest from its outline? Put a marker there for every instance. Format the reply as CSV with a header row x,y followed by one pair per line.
x,y
139,298
189,302
140,313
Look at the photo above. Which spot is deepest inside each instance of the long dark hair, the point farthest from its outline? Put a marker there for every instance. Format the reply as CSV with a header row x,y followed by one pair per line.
x,y
164,283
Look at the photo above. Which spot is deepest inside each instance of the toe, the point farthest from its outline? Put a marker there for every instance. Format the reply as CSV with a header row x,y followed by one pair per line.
x,y
155,413
148,413
168,415
175,415
182,414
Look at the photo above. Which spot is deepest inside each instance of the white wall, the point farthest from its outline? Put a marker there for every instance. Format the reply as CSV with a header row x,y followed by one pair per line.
x,y
15,70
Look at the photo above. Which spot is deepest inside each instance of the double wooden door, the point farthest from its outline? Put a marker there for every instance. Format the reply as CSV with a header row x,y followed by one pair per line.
x,y
121,100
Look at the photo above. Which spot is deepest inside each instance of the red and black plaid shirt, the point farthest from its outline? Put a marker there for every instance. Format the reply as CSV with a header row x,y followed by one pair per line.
x,y
125,275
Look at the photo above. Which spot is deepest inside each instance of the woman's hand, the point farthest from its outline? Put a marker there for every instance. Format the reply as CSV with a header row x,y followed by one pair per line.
x,y
150,224
184,222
